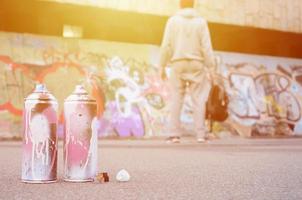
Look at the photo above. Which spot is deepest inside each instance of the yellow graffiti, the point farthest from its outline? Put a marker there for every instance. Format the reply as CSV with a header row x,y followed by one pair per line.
x,y
271,101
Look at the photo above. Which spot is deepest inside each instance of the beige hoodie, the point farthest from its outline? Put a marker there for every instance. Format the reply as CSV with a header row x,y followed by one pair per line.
x,y
187,37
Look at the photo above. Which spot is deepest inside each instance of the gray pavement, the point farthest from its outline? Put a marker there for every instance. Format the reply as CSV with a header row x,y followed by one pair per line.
x,y
224,169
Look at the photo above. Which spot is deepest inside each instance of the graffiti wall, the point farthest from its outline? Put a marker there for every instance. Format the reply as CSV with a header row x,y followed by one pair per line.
x,y
264,92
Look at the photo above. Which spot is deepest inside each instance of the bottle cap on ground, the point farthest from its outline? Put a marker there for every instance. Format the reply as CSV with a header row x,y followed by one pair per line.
x,y
102,177
123,176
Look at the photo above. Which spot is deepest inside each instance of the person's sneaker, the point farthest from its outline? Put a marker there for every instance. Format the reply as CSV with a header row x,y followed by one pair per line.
x,y
201,140
173,140
210,136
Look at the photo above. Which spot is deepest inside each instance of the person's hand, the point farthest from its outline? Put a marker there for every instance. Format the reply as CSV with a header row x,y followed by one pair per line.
x,y
209,75
163,74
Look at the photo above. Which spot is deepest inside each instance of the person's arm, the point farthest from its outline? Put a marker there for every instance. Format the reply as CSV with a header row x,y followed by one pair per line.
x,y
207,49
166,49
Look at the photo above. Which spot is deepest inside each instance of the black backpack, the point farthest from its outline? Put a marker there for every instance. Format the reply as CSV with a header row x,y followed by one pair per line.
x,y
217,104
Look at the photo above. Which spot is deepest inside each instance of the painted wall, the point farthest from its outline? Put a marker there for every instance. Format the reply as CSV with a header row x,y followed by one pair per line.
x,y
282,15
265,92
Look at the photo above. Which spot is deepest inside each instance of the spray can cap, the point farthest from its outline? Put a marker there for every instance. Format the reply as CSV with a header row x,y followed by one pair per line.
x,y
41,93
80,94
79,89
41,88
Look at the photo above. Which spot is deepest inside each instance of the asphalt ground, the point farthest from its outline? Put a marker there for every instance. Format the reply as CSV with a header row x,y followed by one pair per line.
x,y
223,169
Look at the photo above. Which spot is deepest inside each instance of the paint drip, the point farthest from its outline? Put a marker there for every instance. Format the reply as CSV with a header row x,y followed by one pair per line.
x,y
81,137
39,149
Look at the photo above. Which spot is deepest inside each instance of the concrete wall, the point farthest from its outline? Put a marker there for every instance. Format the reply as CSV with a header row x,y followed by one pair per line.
x,y
265,92
285,15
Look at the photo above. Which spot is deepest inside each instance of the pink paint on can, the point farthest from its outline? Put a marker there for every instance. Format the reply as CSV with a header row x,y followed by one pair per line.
x,y
81,137
39,149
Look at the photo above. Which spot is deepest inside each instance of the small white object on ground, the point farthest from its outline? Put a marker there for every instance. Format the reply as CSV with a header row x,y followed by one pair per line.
x,y
201,140
123,176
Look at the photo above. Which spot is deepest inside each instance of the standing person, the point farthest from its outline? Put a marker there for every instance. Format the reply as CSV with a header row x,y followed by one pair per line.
x,y
187,47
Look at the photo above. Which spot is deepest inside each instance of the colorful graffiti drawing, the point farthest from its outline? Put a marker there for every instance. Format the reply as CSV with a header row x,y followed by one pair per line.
x,y
125,116
130,101
15,84
265,92
243,104
260,95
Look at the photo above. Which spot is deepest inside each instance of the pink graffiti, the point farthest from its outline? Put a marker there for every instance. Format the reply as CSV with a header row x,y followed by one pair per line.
x,y
156,86
52,55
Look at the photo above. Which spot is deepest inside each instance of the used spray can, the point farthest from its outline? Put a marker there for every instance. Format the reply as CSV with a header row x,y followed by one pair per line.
x,y
81,137
39,159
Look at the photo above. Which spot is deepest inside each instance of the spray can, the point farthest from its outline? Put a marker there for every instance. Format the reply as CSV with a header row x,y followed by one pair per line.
x,y
81,137
39,156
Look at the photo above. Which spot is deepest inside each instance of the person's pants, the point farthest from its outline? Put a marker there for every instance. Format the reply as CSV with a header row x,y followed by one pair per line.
x,y
191,74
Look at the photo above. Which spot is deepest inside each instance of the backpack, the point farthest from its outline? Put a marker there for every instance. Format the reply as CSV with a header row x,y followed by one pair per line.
x,y
217,104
